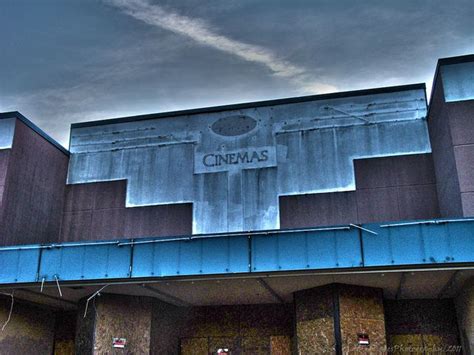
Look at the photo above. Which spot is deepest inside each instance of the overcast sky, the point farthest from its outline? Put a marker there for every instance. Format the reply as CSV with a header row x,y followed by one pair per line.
x,y
64,61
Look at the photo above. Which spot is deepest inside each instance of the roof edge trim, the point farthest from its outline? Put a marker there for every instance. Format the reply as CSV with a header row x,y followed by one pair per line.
x,y
238,106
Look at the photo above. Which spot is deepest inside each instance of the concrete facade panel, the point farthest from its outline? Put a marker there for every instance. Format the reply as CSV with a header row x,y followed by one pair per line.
x,y
301,147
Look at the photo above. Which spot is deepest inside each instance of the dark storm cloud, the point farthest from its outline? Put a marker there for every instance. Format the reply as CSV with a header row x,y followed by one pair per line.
x,y
72,60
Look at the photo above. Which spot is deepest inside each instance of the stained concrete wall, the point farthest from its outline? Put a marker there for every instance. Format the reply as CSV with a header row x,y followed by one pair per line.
x,y
97,211
426,325
33,188
29,331
387,189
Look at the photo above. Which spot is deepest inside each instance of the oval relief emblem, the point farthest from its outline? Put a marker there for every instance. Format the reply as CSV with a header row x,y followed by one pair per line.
x,y
234,125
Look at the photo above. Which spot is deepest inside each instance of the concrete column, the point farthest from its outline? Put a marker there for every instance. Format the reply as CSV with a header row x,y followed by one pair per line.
x,y
115,316
329,319
465,313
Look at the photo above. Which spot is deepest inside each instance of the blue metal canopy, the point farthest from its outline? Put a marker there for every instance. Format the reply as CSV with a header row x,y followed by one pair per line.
x,y
432,243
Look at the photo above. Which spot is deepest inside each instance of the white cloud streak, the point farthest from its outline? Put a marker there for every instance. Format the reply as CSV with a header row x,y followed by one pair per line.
x,y
202,33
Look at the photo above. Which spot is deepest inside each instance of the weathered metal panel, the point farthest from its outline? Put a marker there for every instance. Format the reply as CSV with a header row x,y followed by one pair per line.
x,y
306,250
19,265
431,243
232,165
458,81
420,243
461,241
87,262
219,255
7,130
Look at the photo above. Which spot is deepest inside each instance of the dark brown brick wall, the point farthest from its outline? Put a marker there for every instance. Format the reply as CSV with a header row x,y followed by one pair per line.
x,y
97,211
33,189
387,189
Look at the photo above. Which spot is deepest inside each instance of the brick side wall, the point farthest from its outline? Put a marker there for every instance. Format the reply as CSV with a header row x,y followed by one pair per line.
x,y
97,211
387,189
33,190
461,122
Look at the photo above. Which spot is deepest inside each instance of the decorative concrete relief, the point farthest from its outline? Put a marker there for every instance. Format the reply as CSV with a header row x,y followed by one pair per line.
x,y
233,164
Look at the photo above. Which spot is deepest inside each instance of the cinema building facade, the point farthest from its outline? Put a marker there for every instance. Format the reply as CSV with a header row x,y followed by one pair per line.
x,y
319,224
